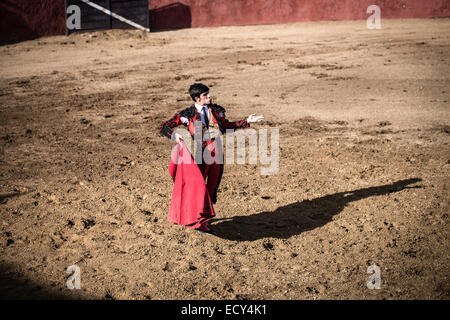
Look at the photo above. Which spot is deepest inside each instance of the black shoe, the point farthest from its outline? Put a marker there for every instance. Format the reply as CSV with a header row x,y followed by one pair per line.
x,y
212,232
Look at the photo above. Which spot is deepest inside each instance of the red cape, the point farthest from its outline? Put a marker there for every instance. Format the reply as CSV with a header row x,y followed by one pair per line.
x,y
191,203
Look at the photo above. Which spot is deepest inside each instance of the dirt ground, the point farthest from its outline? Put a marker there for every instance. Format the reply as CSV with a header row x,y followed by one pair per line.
x,y
363,176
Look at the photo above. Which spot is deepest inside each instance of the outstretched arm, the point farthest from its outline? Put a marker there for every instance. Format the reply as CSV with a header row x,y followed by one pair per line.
x,y
236,124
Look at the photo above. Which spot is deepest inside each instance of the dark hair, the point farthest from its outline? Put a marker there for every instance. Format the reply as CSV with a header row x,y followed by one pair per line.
x,y
197,89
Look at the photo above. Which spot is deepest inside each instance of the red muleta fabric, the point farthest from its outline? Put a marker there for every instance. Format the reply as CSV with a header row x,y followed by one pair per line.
x,y
191,203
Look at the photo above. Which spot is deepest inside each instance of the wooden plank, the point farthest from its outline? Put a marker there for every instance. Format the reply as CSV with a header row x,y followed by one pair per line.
x,y
143,2
102,19
108,6
88,10
130,4
147,25
119,24
90,13
140,17
81,4
126,6
93,18
130,13
122,25
93,25
94,29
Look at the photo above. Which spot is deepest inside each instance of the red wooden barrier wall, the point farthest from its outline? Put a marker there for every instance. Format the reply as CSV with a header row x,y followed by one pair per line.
x,y
26,19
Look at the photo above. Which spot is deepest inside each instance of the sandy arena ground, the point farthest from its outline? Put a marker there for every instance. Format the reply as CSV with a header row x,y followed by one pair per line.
x,y
364,126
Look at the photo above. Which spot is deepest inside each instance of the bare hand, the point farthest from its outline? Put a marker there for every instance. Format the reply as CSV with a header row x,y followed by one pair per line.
x,y
178,138
253,118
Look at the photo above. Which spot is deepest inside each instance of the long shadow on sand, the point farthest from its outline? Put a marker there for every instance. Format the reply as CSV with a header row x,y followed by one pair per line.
x,y
5,196
293,219
16,286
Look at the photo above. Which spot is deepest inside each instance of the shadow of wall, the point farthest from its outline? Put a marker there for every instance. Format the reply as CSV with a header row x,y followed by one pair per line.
x,y
15,285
